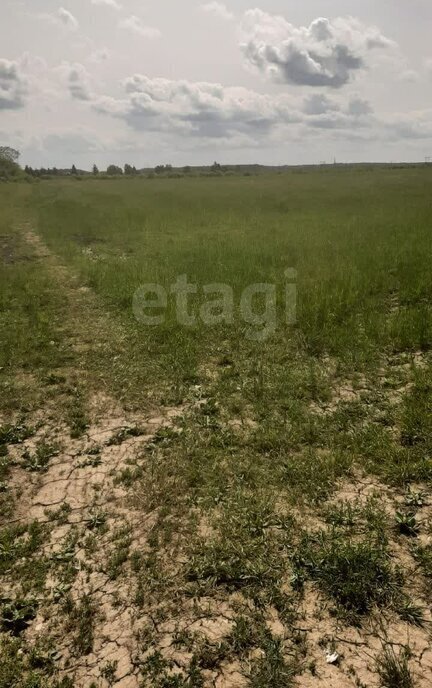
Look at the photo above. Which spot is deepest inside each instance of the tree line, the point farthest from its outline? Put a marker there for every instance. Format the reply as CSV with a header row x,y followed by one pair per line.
x,y
10,169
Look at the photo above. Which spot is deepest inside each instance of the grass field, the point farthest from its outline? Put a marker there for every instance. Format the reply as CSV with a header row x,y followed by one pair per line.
x,y
187,506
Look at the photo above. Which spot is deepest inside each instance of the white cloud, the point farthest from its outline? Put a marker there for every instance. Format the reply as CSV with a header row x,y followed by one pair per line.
x,y
100,55
409,76
12,86
67,19
78,81
135,25
107,3
201,110
195,108
326,53
218,9
319,104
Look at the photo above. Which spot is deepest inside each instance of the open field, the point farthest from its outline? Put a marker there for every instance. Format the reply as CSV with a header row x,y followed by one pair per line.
x,y
202,506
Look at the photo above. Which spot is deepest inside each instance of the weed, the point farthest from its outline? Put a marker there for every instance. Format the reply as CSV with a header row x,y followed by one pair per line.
x,y
124,434
272,669
108,671
415,499
81,617
15,615
406,523
393,669
410,612
15,434
423,555
97,520
40,459
77,417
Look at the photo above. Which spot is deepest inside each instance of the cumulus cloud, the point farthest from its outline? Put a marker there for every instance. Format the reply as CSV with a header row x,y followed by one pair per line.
x,y
328,53
78,81
319,104
218,9
328,113
409,76
135,25
12,86
108,3
196,108
414,125
209,111
67,19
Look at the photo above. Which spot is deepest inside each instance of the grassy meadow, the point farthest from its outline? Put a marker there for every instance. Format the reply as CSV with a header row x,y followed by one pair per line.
x,y
290,499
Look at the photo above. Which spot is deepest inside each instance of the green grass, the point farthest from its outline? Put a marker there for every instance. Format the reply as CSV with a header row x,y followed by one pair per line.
x,y
356,575
267,431
394,670
357,240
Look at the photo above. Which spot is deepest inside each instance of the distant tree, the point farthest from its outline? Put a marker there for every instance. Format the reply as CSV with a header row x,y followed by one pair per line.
x,y
114,169
95,170
74,170
215,167
128,169
186,169
9,162
8,153
159,169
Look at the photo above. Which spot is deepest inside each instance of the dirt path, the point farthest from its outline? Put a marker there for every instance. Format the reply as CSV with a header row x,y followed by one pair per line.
x,y
80,496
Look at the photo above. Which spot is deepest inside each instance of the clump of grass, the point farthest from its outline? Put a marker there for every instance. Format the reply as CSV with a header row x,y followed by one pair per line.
x,y
423,556
81,620
356,575
77,416
393,669
243,636
272,669
224,563
20,543
159,671
357,517
416,421
129,475
244,552
410,612
108,671
120,555
28,665
312,474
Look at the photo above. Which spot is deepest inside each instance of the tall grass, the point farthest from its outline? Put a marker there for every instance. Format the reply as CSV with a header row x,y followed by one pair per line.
x,y
359,241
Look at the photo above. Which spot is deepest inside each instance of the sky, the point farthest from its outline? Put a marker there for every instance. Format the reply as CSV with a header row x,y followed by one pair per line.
x,y
190,82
